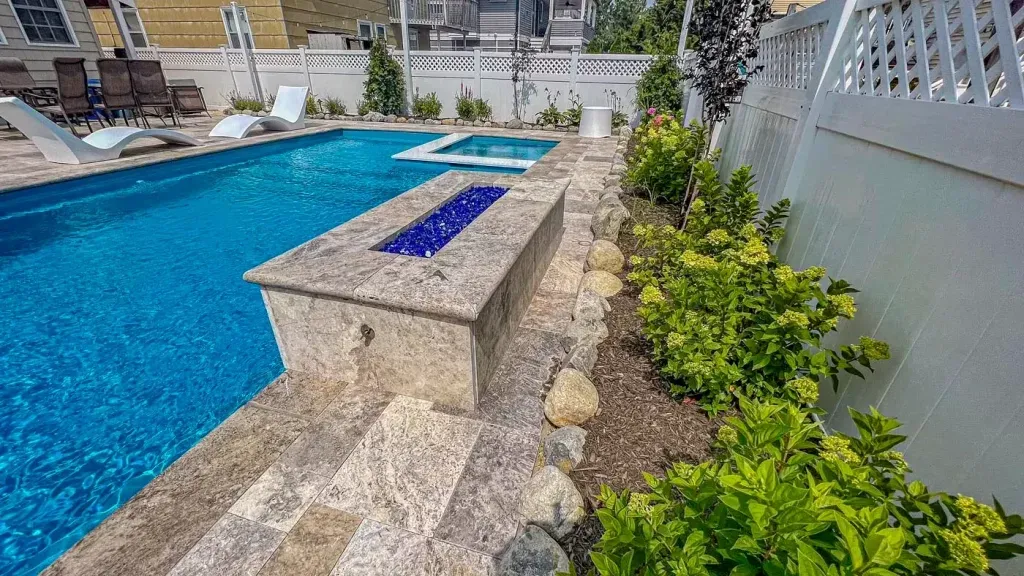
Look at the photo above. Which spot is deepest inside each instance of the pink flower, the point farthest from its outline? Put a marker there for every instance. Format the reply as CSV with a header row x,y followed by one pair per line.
x,y
651,111
658,120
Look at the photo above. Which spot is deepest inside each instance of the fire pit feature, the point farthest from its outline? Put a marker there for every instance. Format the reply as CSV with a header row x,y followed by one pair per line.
x,y
421,295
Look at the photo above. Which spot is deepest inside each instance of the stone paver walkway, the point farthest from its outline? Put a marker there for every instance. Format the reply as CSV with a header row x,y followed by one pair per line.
x,y
316,477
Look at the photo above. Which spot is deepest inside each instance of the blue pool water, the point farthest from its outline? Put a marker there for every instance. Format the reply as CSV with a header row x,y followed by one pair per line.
x,y
494,147
127,332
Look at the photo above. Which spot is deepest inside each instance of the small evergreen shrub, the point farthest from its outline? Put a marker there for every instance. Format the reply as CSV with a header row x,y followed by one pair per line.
x,y
661,85
465,104
242,103
312,105
362,108
781,499
483,109
384,87
428,106
334,106
665,152
725,318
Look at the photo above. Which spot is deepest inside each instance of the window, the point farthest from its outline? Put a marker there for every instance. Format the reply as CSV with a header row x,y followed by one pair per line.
x,y
232,28
44,22
135,29
365,29
382,30
414,40
2,39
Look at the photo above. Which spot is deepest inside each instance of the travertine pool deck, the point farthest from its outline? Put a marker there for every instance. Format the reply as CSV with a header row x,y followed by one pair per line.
x,y
320,475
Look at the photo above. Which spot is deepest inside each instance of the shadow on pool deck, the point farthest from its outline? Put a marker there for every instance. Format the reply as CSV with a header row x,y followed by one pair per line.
x,y
325,477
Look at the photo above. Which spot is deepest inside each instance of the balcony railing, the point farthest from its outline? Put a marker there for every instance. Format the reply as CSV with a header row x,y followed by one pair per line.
x,y
457,14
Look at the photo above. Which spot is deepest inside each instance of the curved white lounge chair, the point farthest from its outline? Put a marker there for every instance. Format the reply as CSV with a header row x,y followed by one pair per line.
x,y
288,113
59,146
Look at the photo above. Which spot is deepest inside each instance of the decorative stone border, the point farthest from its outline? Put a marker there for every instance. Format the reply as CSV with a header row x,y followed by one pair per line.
x,y
340,306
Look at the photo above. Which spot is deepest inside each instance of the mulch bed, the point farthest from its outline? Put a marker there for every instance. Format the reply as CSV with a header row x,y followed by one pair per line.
x,y
639,428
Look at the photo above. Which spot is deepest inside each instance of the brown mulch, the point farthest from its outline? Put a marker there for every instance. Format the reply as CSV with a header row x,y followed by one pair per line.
x,y
640,428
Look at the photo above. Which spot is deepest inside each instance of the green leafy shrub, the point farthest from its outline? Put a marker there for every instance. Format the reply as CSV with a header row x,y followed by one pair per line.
x,y
783,500
362,108
312,105
242,103
619,117
551,114
665,151
465,104
384,87
334,106
660,86
574,113
483,109
426,106
725,317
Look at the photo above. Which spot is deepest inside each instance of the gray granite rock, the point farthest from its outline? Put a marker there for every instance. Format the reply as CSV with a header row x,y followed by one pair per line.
x,y
373,117
551,501
604,255
582,356
432,122
320,116
563,448
549,128
533,554
572,399
488,124
626,132
615,191
478,123
514,124
613,180
590,306
583,331
608,218
390,118
602,282
460,122
228,112
618,168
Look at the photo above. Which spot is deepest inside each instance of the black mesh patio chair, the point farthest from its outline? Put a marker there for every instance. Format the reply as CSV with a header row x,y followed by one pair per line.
x,y
150,88
188,97
116,89
73,91
16,81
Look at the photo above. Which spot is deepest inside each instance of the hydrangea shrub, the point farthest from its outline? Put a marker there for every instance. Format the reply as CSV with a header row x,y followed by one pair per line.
x,y
724,317
665,151
780,499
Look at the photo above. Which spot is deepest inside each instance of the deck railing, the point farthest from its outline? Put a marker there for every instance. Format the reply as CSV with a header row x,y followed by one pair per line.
x,y
461,15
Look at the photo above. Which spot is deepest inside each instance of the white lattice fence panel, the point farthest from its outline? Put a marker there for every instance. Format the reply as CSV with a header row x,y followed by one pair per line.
x,y
786,59
550,64
277,58
604,66
958,51
145,54
236,58
441,63
345,60
495,63
192,58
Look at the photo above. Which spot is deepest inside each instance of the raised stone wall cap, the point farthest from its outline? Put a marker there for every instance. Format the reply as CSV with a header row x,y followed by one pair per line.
x,y
563,448
455,283
602,282
572,399
604,255
533,553
551,501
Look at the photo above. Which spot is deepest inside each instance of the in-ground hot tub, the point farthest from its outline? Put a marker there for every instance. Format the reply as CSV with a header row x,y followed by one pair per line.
x,y
431,327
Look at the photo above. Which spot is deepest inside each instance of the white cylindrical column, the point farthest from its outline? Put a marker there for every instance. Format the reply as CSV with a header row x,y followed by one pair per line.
x,y
596,122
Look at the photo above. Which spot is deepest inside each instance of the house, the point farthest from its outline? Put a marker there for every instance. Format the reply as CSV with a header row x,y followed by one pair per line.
x,y
783,8
491,24
67,32
263,23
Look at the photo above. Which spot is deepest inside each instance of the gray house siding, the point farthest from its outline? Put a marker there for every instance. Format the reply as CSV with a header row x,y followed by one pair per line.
x,y
498,17
38,59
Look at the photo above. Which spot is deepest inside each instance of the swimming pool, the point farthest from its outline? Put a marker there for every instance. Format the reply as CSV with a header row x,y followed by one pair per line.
x,y
496,147
128,333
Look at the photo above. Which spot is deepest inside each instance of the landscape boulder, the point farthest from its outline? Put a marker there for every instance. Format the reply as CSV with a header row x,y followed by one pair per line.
x,y
572,399
514,124
604,283
533,553
448,121
582,356
608,218
551,501
563,448
604,255
589,306
373,117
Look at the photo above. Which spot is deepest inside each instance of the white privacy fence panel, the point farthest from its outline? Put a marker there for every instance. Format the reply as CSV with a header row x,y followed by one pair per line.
x,y
594,79
957,51
895,128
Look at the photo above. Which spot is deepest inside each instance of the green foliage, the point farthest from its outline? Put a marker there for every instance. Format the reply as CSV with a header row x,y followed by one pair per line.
x,y
312,105
334,106
483,109
725,317
243,103
551,114
632,27
426,106
362,108
664,153
465,104
661,86
783,500
574,113
384,87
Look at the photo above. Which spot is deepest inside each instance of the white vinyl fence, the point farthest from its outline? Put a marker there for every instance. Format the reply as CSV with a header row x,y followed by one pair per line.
x,y
897,130
595,78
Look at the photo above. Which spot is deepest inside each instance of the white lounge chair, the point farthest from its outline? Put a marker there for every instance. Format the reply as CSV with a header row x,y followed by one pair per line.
x,y
59,146
288,113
